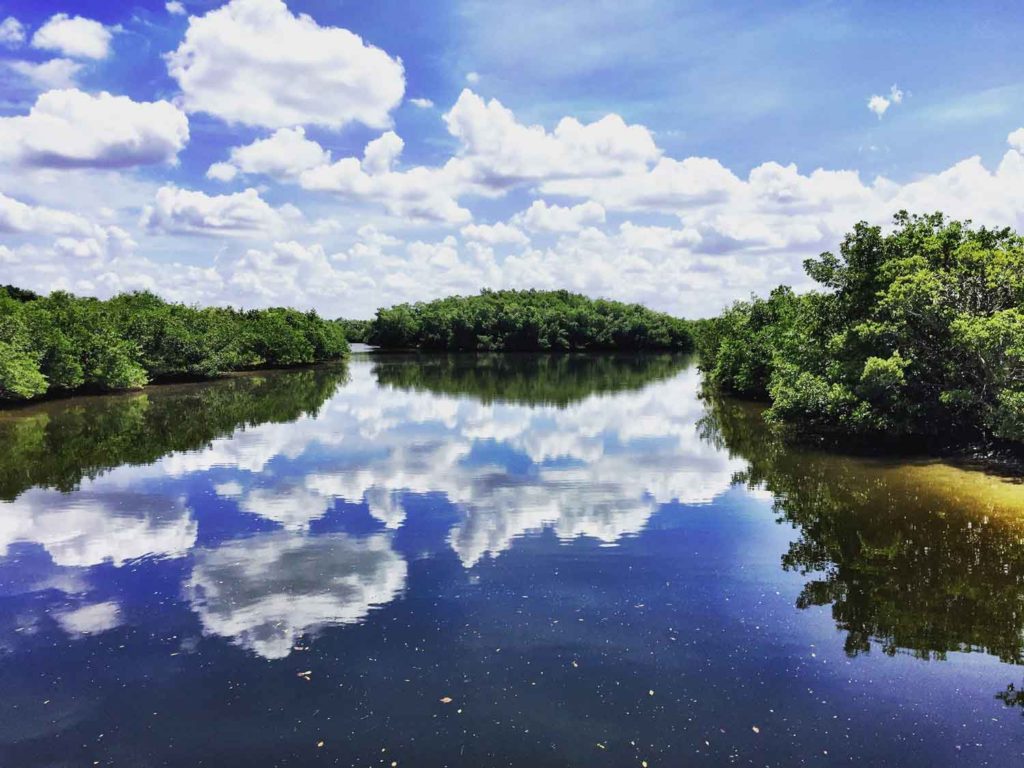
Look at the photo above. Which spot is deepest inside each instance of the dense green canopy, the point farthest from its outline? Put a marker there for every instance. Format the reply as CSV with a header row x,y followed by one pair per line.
x,y
62,343
919,335
356,331
527,321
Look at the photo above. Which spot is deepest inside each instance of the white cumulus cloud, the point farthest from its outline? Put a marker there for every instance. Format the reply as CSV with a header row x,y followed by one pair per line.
x,y
1016,139
17,216
255,62
48,75
495,234
381,153
419,193
73,36
73,129
503,151
285,154
542,217
12,32
185,211
880,104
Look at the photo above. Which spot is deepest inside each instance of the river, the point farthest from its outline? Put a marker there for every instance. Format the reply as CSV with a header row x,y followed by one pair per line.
x,y
519,560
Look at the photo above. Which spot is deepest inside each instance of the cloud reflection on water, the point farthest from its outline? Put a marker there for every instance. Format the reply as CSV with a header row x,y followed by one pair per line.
x,y
597,467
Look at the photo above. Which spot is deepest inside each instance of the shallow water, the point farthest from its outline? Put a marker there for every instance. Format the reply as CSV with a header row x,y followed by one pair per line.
x,y
516,560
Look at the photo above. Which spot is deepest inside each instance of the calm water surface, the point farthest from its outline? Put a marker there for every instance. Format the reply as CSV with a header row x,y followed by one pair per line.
x,y
521,561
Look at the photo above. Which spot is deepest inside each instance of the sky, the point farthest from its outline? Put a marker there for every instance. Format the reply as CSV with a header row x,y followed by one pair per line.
x,y
346,155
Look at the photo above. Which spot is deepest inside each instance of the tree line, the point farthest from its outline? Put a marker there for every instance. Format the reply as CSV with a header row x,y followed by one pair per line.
x,y
64,343
918,336
530,320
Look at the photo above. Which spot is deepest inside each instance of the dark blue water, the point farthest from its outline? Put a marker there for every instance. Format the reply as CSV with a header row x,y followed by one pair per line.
x,y
523,562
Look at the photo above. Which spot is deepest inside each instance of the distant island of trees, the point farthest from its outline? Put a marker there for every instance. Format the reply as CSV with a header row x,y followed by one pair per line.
x,y
63,343
919,337
527,321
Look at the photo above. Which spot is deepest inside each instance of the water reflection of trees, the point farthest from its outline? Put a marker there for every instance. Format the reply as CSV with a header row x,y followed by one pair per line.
x,y
526,379
921,557
58,444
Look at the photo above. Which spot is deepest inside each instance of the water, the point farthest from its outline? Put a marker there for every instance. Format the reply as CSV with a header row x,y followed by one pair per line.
x,y
518,560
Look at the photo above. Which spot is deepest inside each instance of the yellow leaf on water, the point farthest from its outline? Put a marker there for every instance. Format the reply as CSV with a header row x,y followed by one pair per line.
x,y
319,744
446,699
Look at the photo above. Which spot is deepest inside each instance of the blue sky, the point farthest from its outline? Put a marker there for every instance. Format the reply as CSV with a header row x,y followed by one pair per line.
x,y
661,152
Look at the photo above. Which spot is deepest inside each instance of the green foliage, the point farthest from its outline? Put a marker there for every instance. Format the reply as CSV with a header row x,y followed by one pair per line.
x,y
18,294
556,321
737,349
356,331
921,335
63,343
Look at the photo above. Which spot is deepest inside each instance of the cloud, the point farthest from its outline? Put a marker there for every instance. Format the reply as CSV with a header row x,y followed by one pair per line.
x,y
47,75
668,185
542,217
592,471
73,129
222,172
880,104
254,62
286,154
1016,140
381,153
78,238
495,234
265,592
184,211
421,103
496,152
472,78
16,216
685,235
90,619
502,151
12,32
420,193
176,8
76,36
266,276
103,522
293,506
731,235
